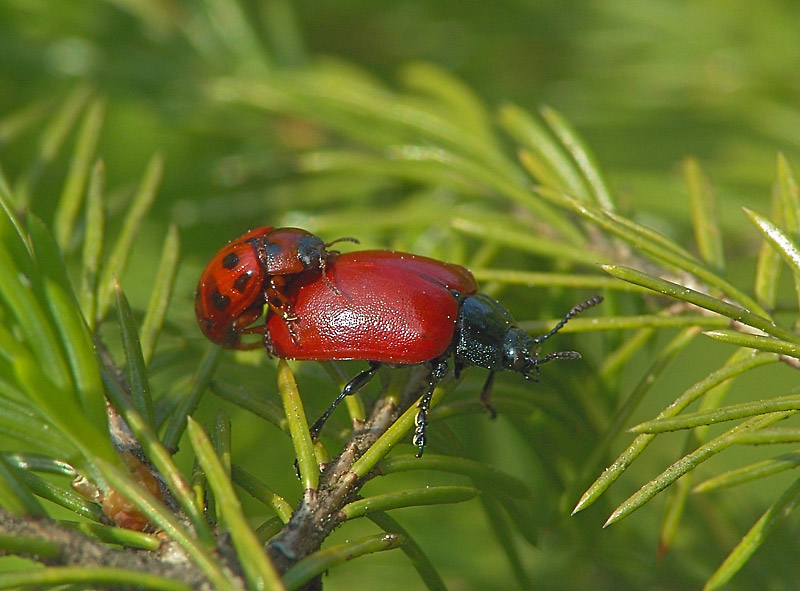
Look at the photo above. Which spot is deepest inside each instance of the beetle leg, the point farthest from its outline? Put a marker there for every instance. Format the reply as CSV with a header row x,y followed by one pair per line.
x,y
331,254
327,280
281,305
278,302
424,405
352,387
458,368
486,396
241,326
266,341
290,325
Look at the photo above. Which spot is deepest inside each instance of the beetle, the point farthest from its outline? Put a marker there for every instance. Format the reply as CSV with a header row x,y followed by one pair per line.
x,y
252,271
397,308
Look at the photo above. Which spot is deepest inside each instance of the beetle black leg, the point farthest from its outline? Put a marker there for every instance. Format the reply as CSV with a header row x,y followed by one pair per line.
x,y
424,405
486,396
458,367
352,387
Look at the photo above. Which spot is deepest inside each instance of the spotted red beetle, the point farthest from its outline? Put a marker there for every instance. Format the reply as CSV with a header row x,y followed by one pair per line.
x,y
252,271
403,309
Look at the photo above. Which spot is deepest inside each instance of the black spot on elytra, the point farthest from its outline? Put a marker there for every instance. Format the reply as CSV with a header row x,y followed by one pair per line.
x,y
219,301
242,280
230,261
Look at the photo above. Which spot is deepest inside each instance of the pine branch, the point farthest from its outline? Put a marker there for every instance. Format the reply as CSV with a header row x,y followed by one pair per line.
x,y
52,544
320,510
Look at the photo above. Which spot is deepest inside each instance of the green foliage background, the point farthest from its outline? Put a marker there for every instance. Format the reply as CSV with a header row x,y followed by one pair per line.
x,y
646,84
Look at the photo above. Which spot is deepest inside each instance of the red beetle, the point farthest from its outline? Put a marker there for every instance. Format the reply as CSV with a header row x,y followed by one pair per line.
x,y
390,307
404,309
252,271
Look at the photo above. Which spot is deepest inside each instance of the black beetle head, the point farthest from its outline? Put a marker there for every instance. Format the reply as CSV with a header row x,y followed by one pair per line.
x,y
311,252
518,352
520,349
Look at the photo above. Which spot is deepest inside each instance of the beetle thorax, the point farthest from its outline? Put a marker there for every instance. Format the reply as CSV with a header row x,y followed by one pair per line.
x,y
482,329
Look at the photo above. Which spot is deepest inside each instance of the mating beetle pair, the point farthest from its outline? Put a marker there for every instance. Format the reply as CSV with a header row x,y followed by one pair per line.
x,y
250,272
376,305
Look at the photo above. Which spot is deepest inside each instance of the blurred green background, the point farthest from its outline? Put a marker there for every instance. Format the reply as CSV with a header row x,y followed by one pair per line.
x,y
645,83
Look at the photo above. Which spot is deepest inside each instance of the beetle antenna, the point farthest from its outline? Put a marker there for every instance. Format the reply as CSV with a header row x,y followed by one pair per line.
x,y
577,309
558,355
535,362
345,239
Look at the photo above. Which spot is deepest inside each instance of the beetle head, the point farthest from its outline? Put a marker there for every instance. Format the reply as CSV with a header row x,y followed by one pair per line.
x,y
519,352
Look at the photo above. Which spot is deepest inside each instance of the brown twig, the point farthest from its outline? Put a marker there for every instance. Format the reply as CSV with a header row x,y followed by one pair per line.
x,y
319,512
74,548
